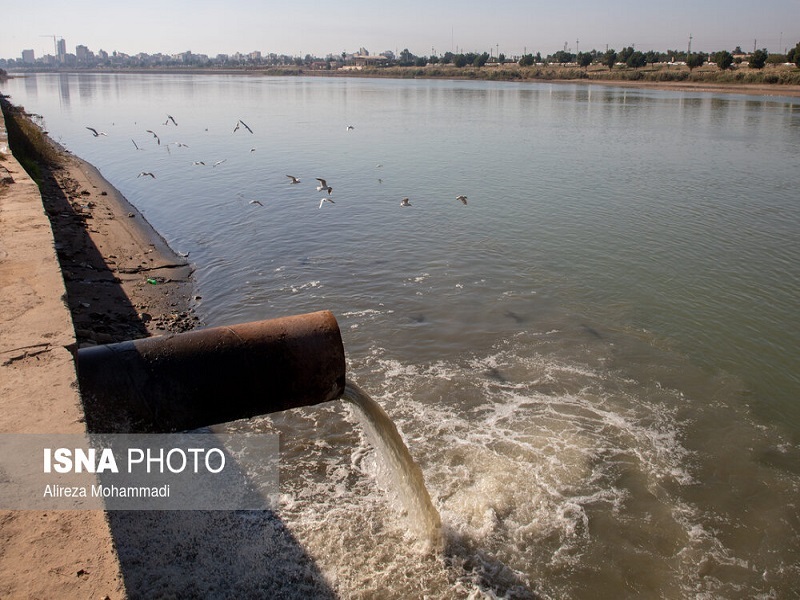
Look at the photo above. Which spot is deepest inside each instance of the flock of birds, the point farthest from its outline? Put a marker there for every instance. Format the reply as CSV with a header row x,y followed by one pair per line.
x,y
322,187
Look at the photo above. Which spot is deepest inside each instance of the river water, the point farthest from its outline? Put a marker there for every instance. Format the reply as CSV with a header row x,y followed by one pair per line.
x,y
594,361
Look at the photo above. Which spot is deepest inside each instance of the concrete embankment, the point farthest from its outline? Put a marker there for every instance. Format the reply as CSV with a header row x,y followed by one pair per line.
x,y
43,554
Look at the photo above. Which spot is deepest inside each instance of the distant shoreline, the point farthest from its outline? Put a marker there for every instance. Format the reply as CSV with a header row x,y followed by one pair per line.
x,y
770,81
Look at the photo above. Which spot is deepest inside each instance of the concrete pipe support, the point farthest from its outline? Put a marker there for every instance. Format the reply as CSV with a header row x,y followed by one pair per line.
x,y
189,380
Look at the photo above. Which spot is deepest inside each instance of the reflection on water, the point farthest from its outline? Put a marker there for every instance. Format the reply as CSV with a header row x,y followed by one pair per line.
x,y
593,362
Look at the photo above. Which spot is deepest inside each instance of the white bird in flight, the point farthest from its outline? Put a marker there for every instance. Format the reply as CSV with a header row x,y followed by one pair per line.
x,y
323,186
170,118
219,162
405,202
154,135
96,133
136,145
463,199
350,128
293,178
324,200
146,174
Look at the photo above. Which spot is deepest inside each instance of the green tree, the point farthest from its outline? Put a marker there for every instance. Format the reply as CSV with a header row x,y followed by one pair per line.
x,y
695,60
776,59
584,59
624,54
758,59
723,59
636,60
563,57
480,60
501,58
460,60
794,55
610,58
526,60
406,58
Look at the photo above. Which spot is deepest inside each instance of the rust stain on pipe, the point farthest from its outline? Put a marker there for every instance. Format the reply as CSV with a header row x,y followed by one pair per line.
x,y
199,378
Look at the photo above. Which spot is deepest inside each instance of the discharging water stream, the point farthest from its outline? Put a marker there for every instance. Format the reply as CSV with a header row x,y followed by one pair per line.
x,y
400,467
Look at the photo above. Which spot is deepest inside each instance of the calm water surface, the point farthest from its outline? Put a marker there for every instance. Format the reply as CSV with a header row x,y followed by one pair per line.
x,y
594,362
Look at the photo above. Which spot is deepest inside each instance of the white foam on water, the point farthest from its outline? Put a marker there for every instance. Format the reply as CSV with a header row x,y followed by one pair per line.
x,y
551,479
525,459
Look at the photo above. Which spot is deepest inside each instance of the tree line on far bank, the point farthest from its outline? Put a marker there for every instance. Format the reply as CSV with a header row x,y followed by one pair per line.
x,y
628,56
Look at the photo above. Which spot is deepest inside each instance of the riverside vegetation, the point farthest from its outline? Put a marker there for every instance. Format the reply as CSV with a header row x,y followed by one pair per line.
x,y
723,67
656,73
627,65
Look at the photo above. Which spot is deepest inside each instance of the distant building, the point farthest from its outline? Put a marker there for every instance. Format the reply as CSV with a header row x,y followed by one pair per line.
x,y
82,54
183,57
62,50
28,57
365,60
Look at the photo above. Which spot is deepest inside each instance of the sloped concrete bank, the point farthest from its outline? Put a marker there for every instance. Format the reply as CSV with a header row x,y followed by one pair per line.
x,y
43,554
78,266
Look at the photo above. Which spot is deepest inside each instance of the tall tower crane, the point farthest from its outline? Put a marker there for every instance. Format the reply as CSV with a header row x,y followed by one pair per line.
x,y
55,43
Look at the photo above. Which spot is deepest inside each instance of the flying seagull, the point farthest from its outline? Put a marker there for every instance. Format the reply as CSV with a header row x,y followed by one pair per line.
x,y
154,135
219,162
463,199
243,124
256,202
146,174
350,128
323,186
135,144
324,200
293,178
96,133
199,162
170,118
405,202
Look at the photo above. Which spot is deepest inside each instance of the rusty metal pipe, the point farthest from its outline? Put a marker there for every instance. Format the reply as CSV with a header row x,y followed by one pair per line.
x,y
198,378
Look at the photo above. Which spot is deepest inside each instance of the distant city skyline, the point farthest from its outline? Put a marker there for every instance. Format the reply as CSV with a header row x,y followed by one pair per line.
x,y
298,28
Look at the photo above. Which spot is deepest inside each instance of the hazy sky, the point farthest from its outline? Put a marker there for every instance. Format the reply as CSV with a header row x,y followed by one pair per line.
x,y
299,27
